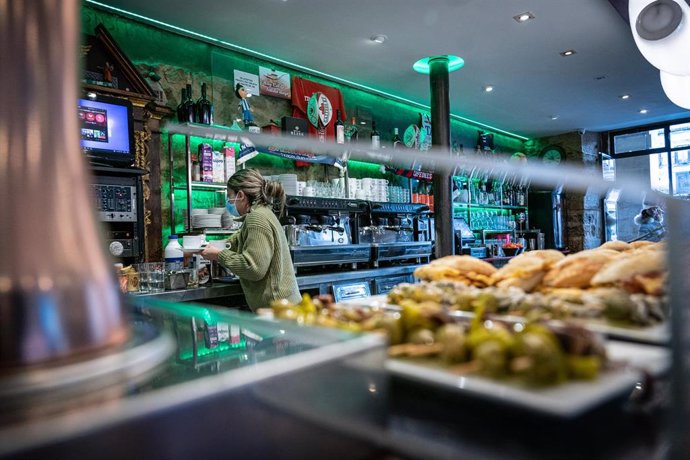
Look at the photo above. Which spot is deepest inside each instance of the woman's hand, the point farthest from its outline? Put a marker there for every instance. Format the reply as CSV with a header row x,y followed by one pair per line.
x,y
210,253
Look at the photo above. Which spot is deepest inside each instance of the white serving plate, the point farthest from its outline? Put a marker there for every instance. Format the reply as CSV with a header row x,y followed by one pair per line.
x,y
566,400
653,335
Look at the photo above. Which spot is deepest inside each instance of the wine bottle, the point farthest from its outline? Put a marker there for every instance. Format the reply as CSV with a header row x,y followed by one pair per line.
x,y
189,108
397,142
375,136
204,108
180,107
339,129
351,133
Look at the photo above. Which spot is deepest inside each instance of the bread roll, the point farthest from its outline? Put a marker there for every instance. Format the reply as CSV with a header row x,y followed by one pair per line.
x,y
525,273
549,256
577,270
625,269
466,264
640,244
616,245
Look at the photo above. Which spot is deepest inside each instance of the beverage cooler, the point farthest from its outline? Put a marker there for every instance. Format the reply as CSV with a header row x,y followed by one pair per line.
x,y
547,213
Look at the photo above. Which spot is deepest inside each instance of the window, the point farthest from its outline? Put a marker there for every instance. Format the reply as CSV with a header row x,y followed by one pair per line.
x,y
668,148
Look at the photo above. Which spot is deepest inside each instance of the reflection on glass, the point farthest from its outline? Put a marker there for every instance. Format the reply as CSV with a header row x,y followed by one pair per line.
x,y
680,135
658,172
680,170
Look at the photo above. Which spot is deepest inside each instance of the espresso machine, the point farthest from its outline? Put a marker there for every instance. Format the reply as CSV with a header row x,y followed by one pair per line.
x,y
397,232
325,232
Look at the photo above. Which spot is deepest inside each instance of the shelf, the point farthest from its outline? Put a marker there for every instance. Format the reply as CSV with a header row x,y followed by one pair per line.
x,y
486,206
203,185
209,231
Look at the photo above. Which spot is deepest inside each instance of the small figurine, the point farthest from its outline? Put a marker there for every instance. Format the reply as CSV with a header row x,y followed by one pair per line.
x,y
108,72
245,108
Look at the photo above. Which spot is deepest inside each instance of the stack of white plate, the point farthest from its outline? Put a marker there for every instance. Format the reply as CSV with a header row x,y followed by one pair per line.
x,y
195,212
289,182
206,220
218,211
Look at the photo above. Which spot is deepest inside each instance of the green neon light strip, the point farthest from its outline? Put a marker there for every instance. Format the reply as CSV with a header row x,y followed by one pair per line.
x,y
294,66
454,63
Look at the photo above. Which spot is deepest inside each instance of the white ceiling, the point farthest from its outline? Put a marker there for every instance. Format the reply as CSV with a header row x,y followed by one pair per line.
x,y
532,80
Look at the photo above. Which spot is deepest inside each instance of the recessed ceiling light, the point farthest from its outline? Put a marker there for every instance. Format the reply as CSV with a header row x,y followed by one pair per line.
x,y
523,17
568,53
379,38
625,96
554,117
488,88
643,111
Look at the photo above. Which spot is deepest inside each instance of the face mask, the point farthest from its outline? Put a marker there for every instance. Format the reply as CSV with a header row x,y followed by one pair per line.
x,y
232,208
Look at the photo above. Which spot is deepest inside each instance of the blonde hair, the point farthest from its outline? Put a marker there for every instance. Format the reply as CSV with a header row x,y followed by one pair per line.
x,y
259,190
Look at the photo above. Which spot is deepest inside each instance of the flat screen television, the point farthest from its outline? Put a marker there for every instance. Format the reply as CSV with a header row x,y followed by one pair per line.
x,y
106,129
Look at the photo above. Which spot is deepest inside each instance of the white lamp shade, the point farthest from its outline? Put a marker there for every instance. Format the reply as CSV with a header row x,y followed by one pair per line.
x,y
677,88
670,54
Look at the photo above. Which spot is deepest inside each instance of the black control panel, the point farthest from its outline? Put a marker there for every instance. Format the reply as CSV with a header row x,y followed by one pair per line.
x,y
398,208
116,203
327,204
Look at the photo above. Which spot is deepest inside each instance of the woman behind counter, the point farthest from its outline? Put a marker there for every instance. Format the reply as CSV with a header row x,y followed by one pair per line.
x,y
258,253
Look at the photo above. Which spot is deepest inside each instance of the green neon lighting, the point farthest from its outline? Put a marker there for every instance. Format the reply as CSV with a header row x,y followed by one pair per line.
x,y
221,348
292,65
454,63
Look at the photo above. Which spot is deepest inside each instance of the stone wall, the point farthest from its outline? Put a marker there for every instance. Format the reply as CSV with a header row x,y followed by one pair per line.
x,y
583,221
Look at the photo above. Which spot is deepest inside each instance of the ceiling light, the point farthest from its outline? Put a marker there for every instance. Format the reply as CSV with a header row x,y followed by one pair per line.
x,y
568,53
643,111
379,38
488,88
454,63
523,17
625,96
554,117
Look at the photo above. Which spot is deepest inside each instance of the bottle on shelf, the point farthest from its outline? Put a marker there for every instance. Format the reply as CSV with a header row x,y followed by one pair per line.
x,y
189,106
204,108
351,132
339,129
174,257
180,107
375,136
397,142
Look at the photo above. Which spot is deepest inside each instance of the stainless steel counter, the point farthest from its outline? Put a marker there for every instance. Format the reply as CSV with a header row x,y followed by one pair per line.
x,y
380,278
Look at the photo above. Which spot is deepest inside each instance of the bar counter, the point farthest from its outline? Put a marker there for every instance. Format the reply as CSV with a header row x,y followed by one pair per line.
x,y
378,279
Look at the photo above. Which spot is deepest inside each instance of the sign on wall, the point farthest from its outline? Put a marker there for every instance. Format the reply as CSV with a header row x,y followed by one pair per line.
x,y
250,82
274,83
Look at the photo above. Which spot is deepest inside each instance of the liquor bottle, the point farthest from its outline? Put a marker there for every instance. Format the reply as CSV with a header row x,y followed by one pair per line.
x,y
339,129
204,108
430,196
397,142
375,137
351,132
180,107
189,108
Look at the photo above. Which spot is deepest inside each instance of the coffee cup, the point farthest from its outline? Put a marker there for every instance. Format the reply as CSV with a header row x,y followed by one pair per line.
x,y
192,241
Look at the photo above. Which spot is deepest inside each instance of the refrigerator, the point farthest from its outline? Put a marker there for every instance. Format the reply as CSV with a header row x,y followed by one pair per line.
x,y
547,213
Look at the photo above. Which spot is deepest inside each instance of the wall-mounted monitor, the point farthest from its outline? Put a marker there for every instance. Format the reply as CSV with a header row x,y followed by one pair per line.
x,y
106,128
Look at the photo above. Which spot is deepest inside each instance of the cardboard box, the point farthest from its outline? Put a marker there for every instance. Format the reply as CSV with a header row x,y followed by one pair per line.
x,y
292,126
206,159
229,154
271,128
218,167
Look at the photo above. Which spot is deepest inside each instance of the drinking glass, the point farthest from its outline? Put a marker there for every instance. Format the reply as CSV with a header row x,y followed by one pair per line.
x,y
144,279
156,276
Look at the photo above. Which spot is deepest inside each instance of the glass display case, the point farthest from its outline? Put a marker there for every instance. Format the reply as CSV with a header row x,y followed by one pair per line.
x,y
234,386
